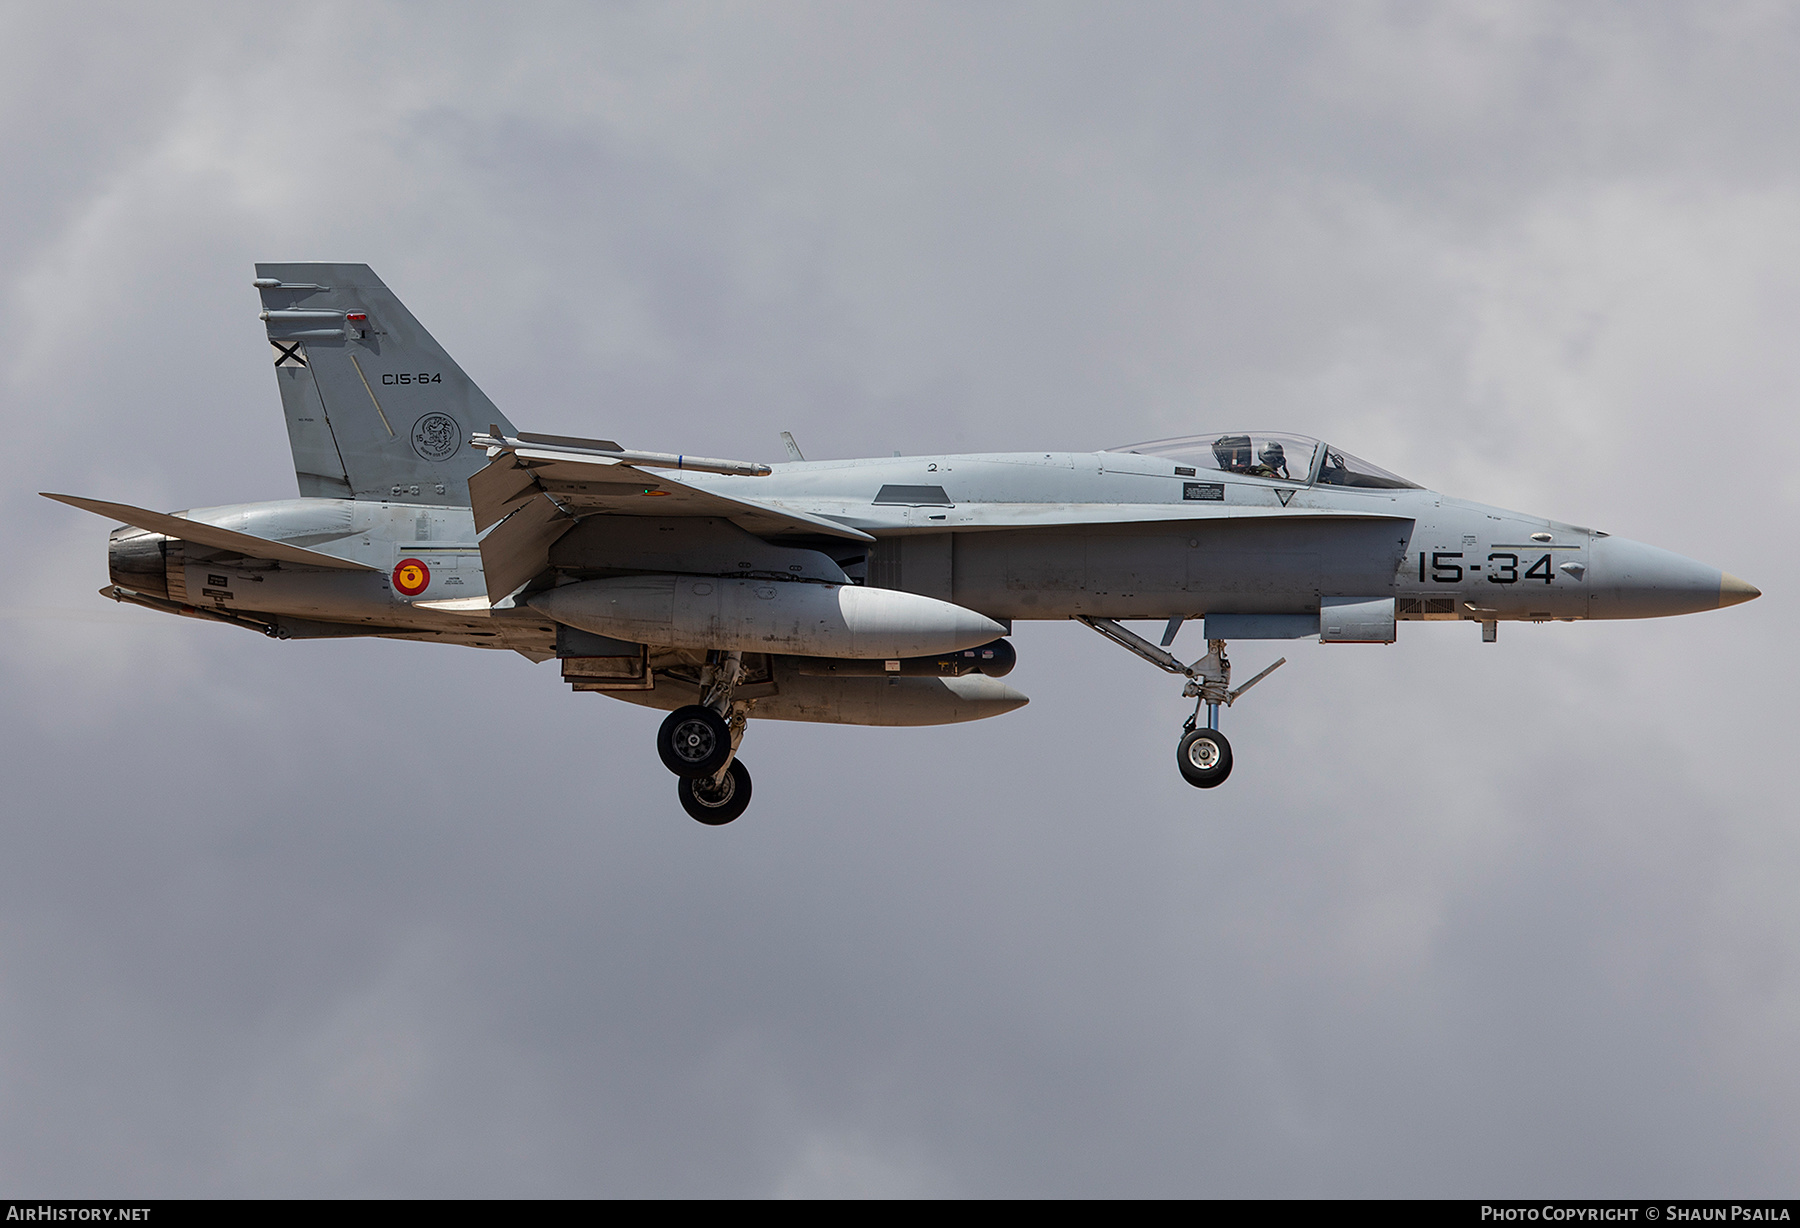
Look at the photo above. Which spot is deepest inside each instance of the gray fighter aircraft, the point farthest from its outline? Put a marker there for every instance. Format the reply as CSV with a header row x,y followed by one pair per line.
x,y
875,591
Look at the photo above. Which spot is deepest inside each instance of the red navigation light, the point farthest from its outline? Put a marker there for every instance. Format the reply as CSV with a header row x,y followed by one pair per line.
x,y
357,315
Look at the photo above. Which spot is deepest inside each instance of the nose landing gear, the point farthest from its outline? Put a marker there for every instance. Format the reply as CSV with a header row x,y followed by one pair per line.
x,y
1204,757
1203,754
699,744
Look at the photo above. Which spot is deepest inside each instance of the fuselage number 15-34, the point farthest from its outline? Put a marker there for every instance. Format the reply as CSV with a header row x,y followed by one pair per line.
x,y
1502,568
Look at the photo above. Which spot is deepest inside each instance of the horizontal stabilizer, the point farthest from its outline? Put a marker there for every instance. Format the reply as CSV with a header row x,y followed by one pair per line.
x,y
209,535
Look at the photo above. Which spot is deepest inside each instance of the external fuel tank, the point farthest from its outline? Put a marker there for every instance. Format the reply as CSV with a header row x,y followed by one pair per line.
x,y
786,617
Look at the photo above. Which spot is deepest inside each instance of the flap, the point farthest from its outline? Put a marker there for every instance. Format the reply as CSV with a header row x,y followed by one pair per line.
x,y
518,548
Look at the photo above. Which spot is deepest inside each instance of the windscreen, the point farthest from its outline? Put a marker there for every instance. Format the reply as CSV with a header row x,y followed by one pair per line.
x,y
1339,468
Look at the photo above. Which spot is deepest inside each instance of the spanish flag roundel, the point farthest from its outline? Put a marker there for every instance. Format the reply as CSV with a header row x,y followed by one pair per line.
x,y
411,577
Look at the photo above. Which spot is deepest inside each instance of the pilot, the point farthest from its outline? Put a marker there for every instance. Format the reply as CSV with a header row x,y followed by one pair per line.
x,y
1274,460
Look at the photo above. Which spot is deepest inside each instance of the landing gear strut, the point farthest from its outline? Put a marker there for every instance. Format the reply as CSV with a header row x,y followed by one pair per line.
x,y
1203,755
699,744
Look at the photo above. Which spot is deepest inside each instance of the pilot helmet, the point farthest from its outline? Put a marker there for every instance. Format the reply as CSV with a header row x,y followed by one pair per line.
x,y
1272,455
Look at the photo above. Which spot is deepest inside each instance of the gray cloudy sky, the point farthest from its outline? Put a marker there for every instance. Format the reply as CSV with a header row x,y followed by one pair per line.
x,y
369,918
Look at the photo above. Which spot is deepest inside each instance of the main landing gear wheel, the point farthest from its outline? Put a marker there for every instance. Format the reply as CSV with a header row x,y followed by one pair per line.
x,y
716,805
1204,757
695,742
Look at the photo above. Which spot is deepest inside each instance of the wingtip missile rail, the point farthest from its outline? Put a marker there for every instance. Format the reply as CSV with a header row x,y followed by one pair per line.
x,y
496,442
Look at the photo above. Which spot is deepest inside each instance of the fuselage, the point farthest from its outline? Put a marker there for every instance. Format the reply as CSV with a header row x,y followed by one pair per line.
x,y
1015,536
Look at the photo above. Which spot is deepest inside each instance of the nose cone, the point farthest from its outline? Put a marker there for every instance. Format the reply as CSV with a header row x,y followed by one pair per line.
x,y
1733,590
1628,579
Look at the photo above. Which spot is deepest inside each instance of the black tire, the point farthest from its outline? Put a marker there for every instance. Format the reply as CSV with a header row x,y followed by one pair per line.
x,y
1204,758
715,808
694,741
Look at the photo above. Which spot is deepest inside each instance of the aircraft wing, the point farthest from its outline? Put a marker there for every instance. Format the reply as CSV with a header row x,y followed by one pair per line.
x,y
210,534
531,495
594,484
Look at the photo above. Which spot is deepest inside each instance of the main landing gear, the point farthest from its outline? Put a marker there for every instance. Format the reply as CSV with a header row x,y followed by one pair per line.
x,y
699,744
1203,755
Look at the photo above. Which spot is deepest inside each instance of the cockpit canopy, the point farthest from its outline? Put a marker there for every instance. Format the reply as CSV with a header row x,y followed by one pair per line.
x,y
1281,458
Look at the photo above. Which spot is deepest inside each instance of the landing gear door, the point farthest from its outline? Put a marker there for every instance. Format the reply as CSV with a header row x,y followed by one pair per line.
x,y
1356,620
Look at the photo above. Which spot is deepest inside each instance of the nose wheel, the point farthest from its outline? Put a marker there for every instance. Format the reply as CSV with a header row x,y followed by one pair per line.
x,y
1204,757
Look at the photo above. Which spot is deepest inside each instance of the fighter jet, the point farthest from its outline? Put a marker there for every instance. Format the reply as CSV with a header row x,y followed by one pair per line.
x,y
873,591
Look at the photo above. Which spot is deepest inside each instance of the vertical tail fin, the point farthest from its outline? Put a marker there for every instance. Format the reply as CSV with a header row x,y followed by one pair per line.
x,y
375,408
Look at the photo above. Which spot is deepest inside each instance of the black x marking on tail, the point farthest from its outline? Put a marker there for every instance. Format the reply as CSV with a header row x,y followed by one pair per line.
x,y
287,352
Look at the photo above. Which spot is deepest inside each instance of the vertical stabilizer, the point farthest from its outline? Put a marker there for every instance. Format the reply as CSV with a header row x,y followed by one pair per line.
x,y
375,408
